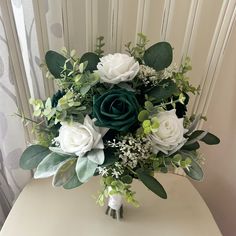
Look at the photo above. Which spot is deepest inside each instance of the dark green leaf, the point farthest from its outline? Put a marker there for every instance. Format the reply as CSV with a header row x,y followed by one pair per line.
x,y
158,56
92,59
127,179
190,147
164,90
32,156
110,157
209,138
151,183
55,63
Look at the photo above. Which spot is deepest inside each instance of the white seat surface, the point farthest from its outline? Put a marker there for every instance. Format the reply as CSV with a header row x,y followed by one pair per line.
x,y
42,210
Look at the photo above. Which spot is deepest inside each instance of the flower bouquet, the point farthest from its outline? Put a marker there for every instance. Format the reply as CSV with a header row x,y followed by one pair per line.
x,y
120,116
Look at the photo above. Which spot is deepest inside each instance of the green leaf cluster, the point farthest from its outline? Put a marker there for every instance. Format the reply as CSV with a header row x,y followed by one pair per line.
x,y
112,186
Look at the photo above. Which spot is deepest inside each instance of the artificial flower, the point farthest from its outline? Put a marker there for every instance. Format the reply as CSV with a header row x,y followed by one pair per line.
x,y
169,136
116,68
116,109
80,138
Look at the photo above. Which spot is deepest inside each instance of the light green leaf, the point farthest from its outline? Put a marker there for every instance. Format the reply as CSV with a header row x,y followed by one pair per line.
x,y
73,182
143,115
96,156
151,183
85,169
49,165
84,89
65,172
32,156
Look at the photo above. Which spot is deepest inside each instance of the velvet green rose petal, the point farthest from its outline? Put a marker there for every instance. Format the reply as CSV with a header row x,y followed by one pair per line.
x,y
116,109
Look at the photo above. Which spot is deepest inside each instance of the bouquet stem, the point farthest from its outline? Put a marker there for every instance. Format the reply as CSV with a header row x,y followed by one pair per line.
x,y
115,207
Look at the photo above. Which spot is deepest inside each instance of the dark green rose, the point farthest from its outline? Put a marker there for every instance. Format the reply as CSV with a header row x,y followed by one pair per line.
x,y
116,109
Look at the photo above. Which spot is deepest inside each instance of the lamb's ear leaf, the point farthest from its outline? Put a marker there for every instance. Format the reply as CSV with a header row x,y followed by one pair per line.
x,y
73,182
49,165
55,63
159,56
92,59
85,169
65,172
32,156
151,183
96,155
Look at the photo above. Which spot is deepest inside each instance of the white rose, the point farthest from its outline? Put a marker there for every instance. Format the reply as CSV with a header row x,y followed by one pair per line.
x,y
169,136
116,68
80,138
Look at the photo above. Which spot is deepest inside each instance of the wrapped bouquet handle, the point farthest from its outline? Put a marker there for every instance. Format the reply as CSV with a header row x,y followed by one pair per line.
x,y
115,206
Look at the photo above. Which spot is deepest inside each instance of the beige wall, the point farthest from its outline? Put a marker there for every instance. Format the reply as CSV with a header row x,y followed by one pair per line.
x,y
219,187
203,29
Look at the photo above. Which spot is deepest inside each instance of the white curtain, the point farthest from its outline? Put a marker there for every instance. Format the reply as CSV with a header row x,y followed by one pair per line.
x,y
14,93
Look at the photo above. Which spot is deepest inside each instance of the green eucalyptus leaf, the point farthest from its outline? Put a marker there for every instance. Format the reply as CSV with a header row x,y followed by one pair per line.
x,y
96,156
55,63
49,165
85,169
65,172
158,56
151,183
143,115
32,156
208,138
190,147
164,90
92,59
73,182
194,171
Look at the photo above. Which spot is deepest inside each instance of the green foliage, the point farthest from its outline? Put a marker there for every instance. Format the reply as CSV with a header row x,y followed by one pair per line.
x,y
165,89
151,183
112,186
203,136
182,80
139,49
73,182
96,156
92,59
99,45
65,172
110,157
49,165
32,156
158,56
55,63
85,169
143,115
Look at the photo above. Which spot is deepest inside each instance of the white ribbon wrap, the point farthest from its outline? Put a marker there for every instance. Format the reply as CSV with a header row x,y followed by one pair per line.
x,y
115,202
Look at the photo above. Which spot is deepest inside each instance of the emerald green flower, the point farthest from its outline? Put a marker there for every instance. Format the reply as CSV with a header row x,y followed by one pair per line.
x,y
116,109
